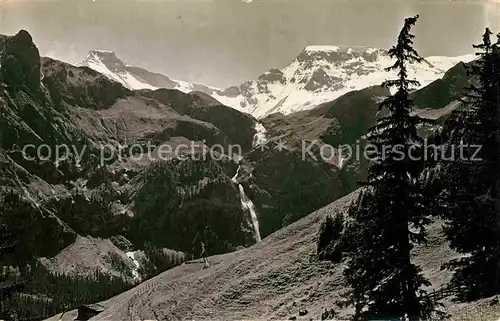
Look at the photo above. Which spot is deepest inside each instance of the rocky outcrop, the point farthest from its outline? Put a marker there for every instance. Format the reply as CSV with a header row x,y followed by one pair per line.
x,y
232,91
273,75
20,62
320,80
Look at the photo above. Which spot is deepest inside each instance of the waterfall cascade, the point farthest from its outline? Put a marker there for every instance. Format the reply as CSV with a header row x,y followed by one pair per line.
x,y
135,271
260,136
247,205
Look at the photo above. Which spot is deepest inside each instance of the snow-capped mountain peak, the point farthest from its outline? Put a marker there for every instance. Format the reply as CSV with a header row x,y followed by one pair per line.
x,y
106,58
323,73
336,54
317,74
107,63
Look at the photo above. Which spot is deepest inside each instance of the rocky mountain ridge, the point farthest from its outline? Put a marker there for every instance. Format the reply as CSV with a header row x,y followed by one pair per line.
x,y
318,74
107,63
324,73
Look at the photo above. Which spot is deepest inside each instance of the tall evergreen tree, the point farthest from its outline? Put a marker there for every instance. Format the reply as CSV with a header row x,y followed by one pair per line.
x,y
470,199
390,216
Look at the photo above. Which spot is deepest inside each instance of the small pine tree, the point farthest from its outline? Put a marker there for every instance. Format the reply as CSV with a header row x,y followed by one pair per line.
x,y
330,233
390,216
470,199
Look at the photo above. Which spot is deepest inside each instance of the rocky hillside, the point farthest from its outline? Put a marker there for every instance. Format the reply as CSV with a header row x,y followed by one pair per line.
x,y
87,255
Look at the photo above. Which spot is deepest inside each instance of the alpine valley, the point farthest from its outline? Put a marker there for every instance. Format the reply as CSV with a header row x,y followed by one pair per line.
x,y
140,219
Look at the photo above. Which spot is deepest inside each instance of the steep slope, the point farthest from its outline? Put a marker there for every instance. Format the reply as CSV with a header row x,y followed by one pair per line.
x,y
323,73
274,279
22,119
100,182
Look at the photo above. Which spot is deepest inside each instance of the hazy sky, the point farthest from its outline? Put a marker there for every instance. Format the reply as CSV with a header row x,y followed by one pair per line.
x,y
224,42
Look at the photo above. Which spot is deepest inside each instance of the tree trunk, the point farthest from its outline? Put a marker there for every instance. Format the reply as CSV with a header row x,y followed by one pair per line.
x,y
496,187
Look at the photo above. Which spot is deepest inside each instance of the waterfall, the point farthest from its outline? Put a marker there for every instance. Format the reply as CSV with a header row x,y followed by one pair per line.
x,y
260,136
135,271
247,205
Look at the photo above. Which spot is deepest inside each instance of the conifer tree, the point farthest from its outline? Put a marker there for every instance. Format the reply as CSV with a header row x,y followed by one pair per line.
x,y
390,216
470,199
329,235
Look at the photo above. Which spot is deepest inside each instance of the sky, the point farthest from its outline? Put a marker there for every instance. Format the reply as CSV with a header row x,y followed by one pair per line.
x,y
225,42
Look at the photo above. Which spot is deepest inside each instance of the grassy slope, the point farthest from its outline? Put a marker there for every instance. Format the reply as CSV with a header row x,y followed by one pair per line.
x,y
273,279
